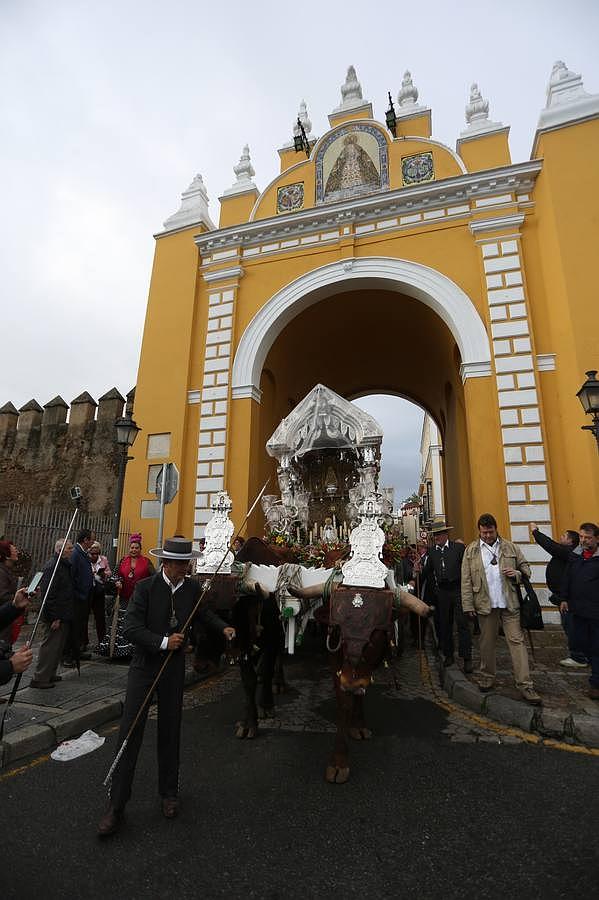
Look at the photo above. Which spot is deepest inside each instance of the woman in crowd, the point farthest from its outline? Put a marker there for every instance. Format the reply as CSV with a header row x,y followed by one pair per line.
x,y
131,569
102,573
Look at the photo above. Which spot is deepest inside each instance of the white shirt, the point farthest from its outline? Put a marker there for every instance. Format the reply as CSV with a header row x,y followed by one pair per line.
x,y
173,587
493,574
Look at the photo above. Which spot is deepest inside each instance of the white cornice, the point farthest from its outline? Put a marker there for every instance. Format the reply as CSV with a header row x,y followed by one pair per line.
x,y
247,391
231,274
507,179
481,226
546,362
474,370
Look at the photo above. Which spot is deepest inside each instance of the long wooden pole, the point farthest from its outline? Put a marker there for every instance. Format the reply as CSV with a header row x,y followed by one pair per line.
x,y
206,588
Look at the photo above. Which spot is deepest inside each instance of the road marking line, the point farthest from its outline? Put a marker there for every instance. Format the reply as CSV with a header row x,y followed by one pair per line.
x,y
21,769
508,730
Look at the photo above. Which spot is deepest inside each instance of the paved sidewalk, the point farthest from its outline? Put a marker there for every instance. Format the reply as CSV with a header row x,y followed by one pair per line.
x,y
40,719
567,712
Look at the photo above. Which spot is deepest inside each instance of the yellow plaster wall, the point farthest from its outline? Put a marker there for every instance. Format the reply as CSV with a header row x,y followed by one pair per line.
x,y
419,126
560,248
489,151
168,348
236,208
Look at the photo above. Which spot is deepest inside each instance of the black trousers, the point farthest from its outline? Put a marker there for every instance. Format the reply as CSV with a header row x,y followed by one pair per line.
x,y
170,699
449,606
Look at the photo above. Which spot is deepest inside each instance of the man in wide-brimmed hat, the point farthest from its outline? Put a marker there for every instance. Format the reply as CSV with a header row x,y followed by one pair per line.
x,y
444,567
156,614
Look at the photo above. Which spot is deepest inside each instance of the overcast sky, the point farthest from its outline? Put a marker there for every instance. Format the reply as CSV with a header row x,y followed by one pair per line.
x,y
109,109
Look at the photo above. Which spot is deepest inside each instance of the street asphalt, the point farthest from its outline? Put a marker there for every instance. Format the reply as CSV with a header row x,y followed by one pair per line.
x,y
437,807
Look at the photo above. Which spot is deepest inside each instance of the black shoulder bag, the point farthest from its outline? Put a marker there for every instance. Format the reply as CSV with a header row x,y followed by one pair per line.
x,y
531,617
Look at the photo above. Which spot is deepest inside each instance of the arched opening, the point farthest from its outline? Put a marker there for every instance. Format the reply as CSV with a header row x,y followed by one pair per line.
x,y
401,421
363,342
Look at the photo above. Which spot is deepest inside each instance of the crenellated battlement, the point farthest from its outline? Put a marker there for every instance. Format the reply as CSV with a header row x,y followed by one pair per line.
x,y
46,449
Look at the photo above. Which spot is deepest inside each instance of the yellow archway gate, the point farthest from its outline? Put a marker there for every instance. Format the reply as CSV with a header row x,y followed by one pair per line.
x,y
391,264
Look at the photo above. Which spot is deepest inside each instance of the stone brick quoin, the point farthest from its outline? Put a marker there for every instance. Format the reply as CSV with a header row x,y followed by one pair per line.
x,y
39,464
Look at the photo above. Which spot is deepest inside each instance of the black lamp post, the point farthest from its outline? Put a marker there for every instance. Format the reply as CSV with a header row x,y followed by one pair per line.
x,y
391,118
589,398
300,140
126,432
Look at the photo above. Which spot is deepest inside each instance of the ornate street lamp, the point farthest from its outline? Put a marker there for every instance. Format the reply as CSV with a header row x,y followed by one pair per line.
x,y
391,118
126,432
589,398
300,140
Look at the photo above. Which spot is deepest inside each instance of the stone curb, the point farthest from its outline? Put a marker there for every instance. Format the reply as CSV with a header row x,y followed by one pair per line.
x,y
31,739
76,721
544,721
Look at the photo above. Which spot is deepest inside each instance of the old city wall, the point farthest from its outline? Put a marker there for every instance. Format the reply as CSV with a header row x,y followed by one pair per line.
x,y
42,455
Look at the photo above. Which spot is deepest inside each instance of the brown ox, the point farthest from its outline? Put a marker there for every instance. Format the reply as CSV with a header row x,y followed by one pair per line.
x,y
359,625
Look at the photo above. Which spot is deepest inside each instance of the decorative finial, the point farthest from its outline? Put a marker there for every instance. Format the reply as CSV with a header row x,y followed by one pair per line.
x,y
477,110
244,172
304,118
193,209
477,115
351,91
351,98
408,94
244,168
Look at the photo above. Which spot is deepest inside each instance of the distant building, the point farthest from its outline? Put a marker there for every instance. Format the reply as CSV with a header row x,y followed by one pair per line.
x,y
431,478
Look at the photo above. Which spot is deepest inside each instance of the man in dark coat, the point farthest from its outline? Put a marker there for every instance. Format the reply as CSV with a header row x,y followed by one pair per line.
x,y
580,593
21,659
554,576
444,566
57,616
155,617
83,582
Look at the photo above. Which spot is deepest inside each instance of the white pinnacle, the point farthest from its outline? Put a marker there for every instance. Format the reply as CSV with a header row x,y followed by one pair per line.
x,y
567,100
244,172
351,91
477,110
477,114
304,119
408,94
193,209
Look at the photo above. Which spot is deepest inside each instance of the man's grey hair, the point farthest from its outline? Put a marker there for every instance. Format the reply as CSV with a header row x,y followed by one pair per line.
x,y
59,543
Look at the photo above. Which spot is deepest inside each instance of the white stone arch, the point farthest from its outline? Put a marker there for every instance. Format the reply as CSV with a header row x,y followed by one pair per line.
x,y
431,287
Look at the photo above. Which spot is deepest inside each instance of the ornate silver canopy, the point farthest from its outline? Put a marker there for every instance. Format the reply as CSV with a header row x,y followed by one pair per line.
x,y
323,420
328,452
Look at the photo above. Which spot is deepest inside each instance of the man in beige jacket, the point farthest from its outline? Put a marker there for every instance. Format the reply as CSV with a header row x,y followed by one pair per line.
x,y
491,568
